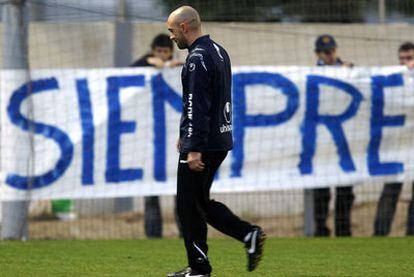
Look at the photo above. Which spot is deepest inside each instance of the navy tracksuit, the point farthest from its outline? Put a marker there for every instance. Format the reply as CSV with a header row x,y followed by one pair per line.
x,y
206,119
206,127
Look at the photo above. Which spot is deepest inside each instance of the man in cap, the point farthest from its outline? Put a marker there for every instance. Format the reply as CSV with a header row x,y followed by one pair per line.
x,y
326,52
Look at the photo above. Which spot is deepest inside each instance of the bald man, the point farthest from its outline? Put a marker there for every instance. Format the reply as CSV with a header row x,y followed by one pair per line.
x,y
205,139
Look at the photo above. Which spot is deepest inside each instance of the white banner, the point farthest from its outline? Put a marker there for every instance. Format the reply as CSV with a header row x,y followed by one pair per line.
x,y
112,132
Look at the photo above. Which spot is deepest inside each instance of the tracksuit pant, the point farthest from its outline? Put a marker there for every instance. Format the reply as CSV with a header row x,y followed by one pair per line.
x,y
386,210
196,209
153,217
343,206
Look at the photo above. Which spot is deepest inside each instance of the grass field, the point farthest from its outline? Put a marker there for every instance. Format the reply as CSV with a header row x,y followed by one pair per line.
x,y
283,257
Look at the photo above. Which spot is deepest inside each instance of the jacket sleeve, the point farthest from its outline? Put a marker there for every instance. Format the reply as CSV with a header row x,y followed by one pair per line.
x,y
199,72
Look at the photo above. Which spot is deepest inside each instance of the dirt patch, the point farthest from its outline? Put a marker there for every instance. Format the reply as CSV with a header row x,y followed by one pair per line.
x,y
130,225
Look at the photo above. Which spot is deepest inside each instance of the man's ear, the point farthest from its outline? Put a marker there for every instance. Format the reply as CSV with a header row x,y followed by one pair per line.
x,y
183,27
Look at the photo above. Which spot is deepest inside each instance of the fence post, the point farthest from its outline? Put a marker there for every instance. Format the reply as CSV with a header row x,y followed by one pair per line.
x,y
381,11
308,213
123,58
15,56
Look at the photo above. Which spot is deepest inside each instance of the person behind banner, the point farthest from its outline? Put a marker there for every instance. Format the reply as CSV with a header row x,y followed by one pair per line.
x,y
391,192
326,52
161,56
204,141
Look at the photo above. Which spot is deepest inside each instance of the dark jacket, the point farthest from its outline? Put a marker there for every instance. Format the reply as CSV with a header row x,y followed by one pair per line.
x,y
206,120
338,62
142,61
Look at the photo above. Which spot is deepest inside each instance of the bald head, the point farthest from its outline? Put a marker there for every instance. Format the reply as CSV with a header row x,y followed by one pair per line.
x,y
188,15
185,26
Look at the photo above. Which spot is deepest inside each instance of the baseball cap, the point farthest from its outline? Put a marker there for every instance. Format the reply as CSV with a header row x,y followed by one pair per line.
x,y
325,42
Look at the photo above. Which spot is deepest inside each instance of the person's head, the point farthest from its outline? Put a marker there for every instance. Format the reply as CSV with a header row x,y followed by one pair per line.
x,y
406,53
325,49
162,47
185,26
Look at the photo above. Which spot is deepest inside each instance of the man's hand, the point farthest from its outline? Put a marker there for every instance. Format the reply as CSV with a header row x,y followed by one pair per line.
x,y
174,63
194,161
348,64
159,63
155,61
410,64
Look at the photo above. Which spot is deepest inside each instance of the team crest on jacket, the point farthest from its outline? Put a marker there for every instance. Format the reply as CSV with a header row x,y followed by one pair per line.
x,y
191,66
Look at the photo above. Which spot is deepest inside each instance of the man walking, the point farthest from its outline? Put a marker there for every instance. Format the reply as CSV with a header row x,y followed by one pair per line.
x,y
205,139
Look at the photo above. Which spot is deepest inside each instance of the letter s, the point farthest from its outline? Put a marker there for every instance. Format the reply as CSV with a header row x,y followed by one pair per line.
x,y
60,137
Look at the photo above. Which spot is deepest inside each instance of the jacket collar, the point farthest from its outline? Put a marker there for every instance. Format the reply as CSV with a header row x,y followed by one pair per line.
x,y
198,41
337,62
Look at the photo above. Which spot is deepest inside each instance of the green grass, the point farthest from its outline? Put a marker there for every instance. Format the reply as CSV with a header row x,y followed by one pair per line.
x,y
283,257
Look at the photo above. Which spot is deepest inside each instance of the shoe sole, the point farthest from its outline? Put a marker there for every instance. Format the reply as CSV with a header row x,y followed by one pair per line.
x,y
256,261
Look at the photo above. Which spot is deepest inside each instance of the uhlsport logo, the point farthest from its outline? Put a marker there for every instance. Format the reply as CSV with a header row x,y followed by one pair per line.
x,y
227,112
227,116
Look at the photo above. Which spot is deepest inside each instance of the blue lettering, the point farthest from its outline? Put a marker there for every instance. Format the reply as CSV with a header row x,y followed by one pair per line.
x,y
332,122
379,121
242,120
161,94
88,131
50,132
116,128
